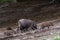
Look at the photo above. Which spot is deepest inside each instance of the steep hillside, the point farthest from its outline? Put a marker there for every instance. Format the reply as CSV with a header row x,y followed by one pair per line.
x,y
38,11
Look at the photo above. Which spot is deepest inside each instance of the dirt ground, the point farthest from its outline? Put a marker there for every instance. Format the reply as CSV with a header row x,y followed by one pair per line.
x,y
36,34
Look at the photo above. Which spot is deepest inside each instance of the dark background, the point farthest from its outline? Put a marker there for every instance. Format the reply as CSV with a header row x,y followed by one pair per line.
x,y
37,10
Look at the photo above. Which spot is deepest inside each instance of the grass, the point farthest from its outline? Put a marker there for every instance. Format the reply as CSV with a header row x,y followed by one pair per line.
x,y
57,39
52,37
2,1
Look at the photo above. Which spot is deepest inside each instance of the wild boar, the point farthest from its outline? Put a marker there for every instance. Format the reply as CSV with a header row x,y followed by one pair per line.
x,y
46,24
25,24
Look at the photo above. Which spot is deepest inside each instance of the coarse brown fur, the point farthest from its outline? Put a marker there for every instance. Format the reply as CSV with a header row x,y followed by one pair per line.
x,y
46,24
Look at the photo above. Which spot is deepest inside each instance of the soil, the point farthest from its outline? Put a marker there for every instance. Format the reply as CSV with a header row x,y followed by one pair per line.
x,y
36,34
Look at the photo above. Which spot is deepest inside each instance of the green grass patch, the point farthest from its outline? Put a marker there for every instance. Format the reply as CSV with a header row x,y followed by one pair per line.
x,y
56,39
51,37
3,1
